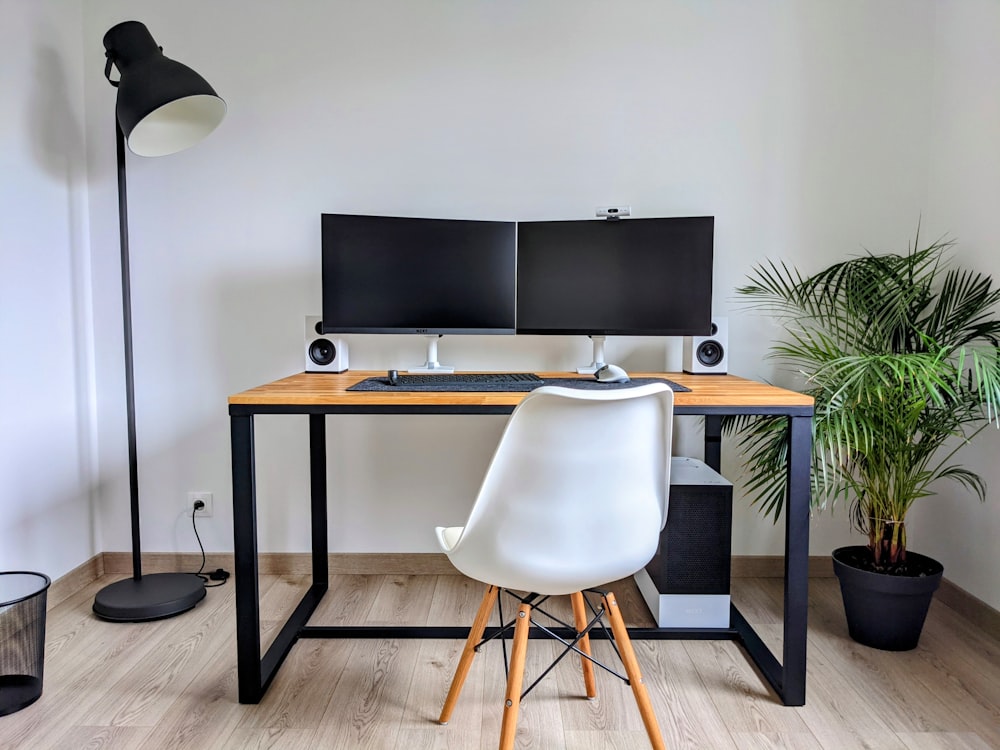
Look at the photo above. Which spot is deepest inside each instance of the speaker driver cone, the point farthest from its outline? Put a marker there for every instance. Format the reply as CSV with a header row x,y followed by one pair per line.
x,y
322,352
710,353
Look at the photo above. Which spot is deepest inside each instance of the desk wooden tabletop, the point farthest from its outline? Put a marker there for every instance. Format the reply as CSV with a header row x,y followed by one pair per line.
x,y
328,389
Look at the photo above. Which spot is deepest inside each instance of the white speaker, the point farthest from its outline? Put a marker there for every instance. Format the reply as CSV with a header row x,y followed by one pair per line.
x,y
708,355
324,353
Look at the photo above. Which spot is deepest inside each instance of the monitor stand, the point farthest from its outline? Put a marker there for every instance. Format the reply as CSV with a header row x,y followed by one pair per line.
x,y
432,364
598,362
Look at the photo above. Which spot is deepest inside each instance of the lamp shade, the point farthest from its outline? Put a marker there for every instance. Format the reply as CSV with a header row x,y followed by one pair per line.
x,y
163,106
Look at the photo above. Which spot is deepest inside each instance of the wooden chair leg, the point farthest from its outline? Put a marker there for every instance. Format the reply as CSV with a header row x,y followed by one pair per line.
x,y
475,635
580,621
512,701
632,670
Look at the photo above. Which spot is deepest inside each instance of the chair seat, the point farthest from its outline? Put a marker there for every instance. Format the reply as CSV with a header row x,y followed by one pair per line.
x,y
544,567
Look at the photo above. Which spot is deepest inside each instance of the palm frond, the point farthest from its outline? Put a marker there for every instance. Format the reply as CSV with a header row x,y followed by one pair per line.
x,y
900,353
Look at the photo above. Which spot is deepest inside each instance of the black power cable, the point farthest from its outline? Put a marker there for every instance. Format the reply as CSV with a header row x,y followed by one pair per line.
x,y
218,574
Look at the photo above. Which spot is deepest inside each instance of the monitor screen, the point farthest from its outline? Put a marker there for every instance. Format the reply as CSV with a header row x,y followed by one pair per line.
x,y
384,274
632,277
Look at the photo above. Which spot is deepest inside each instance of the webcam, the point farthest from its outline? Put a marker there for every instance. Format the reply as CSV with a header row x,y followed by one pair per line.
x,y
613,212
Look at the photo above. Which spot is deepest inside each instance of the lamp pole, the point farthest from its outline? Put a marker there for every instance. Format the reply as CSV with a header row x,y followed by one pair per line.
x,y
133,458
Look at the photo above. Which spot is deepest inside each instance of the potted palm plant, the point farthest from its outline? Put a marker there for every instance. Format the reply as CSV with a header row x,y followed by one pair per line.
x,y
900,353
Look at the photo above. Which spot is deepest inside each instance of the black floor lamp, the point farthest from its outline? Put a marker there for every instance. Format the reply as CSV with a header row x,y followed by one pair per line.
x,y
163,107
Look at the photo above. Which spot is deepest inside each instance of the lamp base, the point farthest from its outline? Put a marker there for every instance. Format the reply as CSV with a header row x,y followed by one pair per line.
x,y
152,597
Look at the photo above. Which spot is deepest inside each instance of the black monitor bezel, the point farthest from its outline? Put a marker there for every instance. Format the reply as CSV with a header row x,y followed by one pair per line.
x,y
703,329
328,327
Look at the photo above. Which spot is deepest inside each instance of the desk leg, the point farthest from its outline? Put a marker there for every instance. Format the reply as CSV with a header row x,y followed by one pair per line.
x,y
245,547
789,677
317,480
797,562
713,442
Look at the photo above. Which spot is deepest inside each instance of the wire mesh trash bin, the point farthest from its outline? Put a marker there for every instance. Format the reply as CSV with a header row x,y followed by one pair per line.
x,y
22,638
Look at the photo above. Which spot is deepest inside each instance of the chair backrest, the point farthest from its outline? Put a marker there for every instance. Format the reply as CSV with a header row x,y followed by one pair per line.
x,y
576,493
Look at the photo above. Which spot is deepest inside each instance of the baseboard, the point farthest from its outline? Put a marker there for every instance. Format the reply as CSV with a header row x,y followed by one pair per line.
x,y
433,563
396,563
773,566
66,585
120,563
970,607
291,563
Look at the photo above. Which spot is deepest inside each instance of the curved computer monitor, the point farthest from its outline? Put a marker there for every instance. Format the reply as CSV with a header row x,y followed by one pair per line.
x,y
386,274
630,277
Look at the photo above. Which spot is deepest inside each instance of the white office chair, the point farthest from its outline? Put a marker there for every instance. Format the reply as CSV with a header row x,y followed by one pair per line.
x,y
575,497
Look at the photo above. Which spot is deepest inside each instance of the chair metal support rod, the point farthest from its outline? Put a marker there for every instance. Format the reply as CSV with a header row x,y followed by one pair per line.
x,y
570,647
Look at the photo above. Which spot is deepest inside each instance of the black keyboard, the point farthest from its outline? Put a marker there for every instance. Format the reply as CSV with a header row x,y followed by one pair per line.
x,y
478,377
485,381
497,382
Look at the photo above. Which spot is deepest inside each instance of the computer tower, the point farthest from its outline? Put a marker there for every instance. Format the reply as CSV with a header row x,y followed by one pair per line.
x,y
686,584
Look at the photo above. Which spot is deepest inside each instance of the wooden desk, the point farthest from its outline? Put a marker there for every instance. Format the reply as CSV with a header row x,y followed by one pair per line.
x,y
317,395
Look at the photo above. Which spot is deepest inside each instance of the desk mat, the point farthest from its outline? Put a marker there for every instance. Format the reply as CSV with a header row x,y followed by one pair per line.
x,y
382,384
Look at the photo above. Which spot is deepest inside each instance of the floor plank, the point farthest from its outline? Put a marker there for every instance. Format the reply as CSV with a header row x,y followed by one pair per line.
x,y
172,683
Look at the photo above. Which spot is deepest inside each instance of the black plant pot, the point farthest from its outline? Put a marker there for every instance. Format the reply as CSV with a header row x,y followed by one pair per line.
x,y
886,611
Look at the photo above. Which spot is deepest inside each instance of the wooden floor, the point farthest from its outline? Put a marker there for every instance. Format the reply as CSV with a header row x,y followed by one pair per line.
x,y
172,683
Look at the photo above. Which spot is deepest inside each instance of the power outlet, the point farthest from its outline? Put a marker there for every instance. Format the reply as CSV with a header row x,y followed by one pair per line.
x,y
206,498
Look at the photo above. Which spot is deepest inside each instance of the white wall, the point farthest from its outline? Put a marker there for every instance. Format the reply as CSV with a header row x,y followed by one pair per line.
x,y
804,128
47,428
793,125
963,197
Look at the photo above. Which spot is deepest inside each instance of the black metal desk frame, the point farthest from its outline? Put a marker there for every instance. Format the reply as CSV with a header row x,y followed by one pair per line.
x,y
255,673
